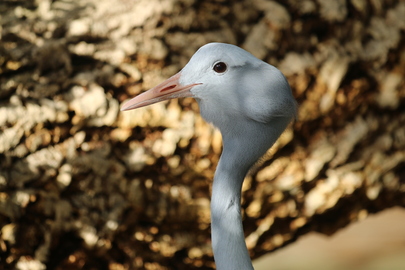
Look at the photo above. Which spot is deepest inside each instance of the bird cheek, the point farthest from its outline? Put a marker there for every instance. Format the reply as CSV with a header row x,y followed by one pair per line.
x,y
198,91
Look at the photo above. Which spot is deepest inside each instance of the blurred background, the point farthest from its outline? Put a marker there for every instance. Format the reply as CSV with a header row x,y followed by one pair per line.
x,y
375,243
84,186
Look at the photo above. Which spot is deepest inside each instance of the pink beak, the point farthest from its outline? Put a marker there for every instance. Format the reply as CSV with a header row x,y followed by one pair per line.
x,y
171,88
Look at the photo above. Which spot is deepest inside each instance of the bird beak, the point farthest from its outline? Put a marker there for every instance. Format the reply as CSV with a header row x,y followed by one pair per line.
x,y
171,88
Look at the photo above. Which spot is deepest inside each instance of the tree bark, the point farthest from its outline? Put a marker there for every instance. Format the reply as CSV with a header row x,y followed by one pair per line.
x,y
83,185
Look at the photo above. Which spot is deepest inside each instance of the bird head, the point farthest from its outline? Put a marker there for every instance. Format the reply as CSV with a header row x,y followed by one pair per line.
x,y
230,85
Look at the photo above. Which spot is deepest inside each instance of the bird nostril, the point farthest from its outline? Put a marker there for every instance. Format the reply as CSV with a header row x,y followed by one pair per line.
x,y
168,88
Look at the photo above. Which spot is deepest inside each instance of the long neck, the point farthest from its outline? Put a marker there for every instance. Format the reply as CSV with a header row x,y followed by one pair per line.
x,y
228,241
241,150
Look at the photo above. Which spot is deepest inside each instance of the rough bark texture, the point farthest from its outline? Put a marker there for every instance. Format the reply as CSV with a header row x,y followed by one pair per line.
x,y
83,186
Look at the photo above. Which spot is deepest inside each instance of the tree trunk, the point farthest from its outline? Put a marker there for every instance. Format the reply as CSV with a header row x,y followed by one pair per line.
x,y
83,185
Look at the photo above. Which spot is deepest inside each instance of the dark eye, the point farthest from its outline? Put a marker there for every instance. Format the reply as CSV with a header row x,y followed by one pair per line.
x,y
220,67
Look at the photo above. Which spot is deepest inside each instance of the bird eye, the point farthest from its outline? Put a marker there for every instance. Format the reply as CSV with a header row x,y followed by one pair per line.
x,y
220,67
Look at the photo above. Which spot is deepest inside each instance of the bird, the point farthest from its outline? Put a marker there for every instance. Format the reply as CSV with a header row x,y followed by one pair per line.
x,y
251,103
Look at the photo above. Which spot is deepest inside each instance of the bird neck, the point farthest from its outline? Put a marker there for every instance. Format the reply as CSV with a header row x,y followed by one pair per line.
x,y
228,240
242,148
